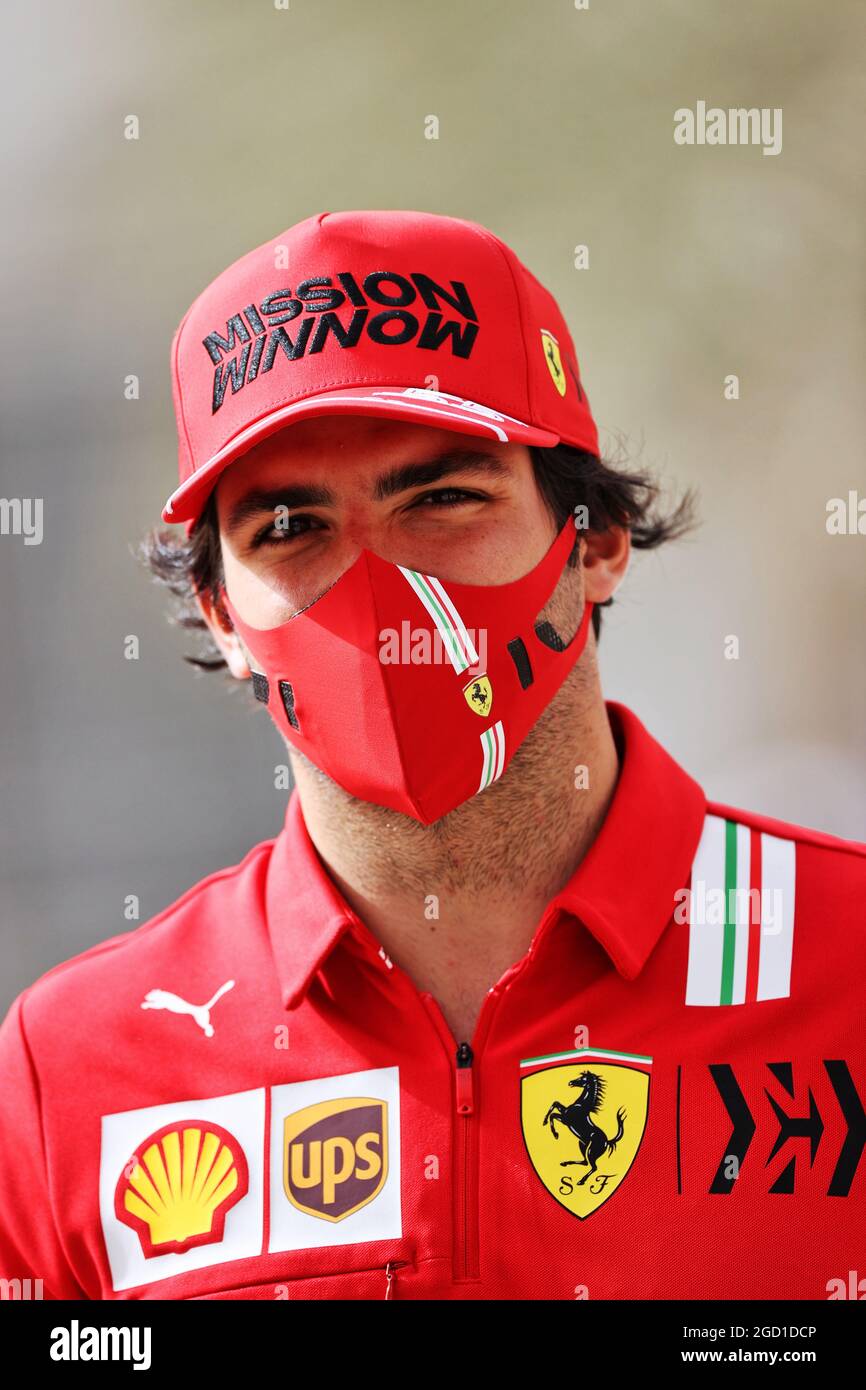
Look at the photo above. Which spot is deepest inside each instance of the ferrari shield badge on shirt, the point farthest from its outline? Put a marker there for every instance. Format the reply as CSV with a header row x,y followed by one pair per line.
x,y
583,1116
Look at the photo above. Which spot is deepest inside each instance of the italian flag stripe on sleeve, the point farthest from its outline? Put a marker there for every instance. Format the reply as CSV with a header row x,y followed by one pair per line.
x,y
741,915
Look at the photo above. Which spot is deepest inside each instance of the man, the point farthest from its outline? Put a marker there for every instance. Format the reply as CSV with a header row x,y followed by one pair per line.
x,y
507,1009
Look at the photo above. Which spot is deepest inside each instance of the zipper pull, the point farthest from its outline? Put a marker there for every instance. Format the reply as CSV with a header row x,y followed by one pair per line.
x,y
464,1079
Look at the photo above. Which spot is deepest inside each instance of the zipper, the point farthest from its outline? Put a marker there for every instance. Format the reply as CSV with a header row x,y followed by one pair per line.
x,y
465,1256
466,1227
465,1088
465,1250
389,1276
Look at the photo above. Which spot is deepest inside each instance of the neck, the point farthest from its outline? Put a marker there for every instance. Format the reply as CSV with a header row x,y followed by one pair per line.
x,y
457,902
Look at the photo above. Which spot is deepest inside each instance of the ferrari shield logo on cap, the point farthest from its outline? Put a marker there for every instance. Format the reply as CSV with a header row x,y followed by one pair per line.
x,y
553,360
479,695
335,1156
583,1116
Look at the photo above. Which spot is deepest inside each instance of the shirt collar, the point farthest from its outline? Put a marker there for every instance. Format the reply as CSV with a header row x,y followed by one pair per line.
x,y
307,913
622,890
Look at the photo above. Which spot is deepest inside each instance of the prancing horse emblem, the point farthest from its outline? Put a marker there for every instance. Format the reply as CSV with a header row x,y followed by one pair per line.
x,y
600,1129
479,695
577,1117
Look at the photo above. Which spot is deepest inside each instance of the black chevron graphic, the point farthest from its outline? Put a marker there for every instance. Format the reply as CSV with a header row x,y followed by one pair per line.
x,y
809,1126
741,1118
855,1118
784,1184
796,1126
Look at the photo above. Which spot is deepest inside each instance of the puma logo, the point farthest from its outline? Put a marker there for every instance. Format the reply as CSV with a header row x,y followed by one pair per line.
x,y
161,999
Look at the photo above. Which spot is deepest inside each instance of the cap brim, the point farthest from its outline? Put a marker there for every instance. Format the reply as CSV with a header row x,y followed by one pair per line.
x,y
416,404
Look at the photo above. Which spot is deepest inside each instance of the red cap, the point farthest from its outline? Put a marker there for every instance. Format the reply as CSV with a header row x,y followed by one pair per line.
x,y
405,315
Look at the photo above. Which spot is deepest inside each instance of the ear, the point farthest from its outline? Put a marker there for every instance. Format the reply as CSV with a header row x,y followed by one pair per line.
x,y
221,630
604,559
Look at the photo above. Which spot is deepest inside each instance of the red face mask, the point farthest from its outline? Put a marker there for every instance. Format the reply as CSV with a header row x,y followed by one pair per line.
x,y
411,692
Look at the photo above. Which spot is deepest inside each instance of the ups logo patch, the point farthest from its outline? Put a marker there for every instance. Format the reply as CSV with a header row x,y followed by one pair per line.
x,y
335,1156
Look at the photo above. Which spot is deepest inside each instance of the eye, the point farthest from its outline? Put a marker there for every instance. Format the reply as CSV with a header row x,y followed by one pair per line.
x,y
440,498
272,534
300,523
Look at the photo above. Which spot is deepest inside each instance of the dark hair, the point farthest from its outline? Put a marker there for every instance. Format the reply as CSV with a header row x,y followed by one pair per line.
x,y
567,478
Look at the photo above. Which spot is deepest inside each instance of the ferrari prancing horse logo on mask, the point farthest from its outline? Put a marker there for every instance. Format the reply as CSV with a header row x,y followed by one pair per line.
x,y
479,695
583,1116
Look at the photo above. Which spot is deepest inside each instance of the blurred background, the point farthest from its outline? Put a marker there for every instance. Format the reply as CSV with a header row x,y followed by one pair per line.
x,y
556,129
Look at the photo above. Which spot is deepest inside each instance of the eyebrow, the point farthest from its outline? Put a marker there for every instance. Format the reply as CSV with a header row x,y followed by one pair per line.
x,y
388,484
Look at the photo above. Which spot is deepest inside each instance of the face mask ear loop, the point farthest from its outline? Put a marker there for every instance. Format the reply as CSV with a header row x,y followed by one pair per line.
x,y
221,606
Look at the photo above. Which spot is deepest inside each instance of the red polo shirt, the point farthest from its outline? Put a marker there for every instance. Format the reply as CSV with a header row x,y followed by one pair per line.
x,y
664,1098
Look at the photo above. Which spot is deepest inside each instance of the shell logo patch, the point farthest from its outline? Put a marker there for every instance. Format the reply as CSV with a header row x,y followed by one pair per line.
x,y
176,1192
181,1186
479,695
583,1116
335,1156
554,361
